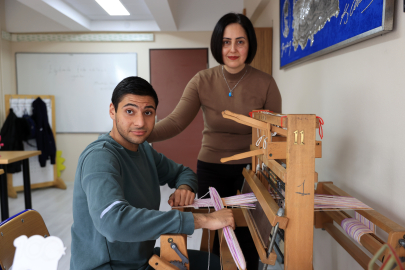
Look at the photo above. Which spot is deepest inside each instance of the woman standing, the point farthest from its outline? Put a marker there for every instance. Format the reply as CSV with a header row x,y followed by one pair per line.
x,y
235,86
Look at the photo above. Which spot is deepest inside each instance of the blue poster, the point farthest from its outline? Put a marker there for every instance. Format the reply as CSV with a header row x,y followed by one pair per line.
x,y
310,26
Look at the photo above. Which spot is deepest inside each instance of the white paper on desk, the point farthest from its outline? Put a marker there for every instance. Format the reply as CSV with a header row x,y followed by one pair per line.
x,y
37,252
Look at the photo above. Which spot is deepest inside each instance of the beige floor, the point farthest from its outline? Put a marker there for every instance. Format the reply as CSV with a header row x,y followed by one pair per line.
x,y
55,207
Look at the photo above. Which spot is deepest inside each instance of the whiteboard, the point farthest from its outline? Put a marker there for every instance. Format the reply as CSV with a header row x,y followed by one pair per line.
x,y
82,84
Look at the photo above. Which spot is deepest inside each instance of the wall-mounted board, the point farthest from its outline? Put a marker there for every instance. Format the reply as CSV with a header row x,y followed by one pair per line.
x,y
82,84
310,28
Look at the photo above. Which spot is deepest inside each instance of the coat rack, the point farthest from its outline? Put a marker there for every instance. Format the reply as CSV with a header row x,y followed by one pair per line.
x,y
40,177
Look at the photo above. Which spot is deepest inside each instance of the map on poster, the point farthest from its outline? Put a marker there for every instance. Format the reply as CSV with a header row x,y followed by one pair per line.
x,y
309,27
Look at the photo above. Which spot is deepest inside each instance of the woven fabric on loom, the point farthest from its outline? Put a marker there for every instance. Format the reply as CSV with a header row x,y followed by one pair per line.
x,y
365,221
354,228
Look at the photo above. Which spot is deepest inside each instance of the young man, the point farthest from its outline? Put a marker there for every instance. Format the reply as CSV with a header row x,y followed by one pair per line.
x,y
116,193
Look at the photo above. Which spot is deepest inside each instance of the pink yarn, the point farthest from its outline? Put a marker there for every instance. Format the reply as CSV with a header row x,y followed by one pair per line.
x,y
229,234
244,201
354,228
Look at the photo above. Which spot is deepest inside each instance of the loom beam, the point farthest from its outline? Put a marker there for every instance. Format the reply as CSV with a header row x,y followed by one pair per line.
x,y
261,250
243,119
371,242
268,204
276,120
357,254
273,150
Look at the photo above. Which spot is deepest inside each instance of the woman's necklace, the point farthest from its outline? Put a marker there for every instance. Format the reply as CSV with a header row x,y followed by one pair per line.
x,y
231,90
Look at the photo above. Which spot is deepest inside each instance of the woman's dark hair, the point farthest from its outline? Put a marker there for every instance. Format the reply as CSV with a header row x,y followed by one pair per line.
x,y
218,34
135,86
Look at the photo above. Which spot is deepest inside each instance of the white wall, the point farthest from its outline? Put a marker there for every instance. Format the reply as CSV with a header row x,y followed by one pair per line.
x,y
359,92
4,55
73,144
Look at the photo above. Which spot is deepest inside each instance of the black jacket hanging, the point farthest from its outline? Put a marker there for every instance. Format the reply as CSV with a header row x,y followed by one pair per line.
x,y
44,135
12,134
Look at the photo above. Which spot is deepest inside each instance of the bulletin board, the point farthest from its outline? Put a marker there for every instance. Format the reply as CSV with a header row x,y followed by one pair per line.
x,y
311,28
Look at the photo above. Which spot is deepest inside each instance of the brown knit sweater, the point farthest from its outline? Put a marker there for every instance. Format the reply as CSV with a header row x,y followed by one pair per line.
x,y
208,91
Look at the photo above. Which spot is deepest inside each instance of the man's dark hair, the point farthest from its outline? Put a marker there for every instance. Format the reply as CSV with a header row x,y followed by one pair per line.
x,y
133,85
218,34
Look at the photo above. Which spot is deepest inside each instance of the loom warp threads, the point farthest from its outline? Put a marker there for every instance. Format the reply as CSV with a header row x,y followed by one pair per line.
x,y
241,201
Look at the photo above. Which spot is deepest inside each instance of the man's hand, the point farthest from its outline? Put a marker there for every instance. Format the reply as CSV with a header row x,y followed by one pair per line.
x,y
214,221
183,196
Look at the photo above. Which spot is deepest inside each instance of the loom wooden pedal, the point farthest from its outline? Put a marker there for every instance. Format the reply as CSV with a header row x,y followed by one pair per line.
x,y
160,264
167,254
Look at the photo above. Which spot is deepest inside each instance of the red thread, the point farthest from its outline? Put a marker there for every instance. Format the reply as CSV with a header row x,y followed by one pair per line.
x,y
251,113
321,122
282,119
398,261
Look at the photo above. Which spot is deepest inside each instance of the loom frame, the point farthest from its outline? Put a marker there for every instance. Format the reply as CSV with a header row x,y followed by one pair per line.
x,y
281,149
299,153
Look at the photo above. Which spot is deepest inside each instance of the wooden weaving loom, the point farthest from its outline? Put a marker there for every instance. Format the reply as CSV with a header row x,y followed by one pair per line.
x,y
289,161
295,146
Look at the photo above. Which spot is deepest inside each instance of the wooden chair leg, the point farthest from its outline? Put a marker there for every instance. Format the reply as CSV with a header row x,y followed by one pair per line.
x,y
12,193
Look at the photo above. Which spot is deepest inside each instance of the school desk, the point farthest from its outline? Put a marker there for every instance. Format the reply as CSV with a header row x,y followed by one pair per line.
x,y
8,157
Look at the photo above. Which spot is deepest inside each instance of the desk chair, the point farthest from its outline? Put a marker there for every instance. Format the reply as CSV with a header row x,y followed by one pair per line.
x,y
28,222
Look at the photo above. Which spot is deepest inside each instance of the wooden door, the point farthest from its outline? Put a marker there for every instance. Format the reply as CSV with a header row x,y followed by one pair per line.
x,y
263,58
170,71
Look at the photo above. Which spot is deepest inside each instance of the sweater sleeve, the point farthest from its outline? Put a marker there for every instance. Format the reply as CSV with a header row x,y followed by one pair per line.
x,y
172,173
184,113
113,216
273,99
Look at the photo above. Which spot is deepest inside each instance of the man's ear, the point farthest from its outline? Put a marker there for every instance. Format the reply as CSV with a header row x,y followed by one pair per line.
x,y
112,111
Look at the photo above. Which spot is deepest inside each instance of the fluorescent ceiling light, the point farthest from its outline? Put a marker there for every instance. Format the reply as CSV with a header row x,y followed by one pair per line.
x,y
113,7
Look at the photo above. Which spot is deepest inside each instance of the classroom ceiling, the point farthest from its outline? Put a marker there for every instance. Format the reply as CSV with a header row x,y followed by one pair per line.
x,y
36,16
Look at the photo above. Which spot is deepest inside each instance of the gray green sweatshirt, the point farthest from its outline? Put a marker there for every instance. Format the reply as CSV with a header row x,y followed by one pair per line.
x,y
116,199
